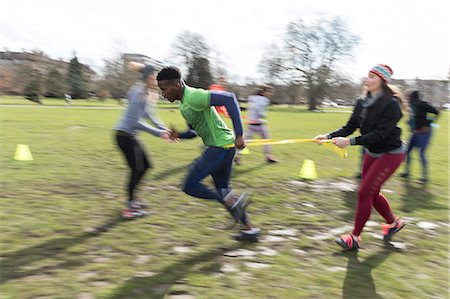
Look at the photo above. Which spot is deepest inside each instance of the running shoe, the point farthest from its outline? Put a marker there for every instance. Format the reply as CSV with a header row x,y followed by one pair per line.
x,y
423,181
405,175
348,242
248,235
131,213
271,160
237,210
390,229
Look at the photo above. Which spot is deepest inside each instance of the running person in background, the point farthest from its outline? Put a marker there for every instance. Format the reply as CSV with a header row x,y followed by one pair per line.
x,y
376,116
257,123
142,99
67,100
421,133
220,87
197,108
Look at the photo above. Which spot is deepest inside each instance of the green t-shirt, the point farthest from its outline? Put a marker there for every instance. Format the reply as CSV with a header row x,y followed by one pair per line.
x,y
204,119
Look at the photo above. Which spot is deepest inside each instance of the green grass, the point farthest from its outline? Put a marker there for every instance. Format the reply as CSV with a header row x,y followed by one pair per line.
x,y
18,100
61,235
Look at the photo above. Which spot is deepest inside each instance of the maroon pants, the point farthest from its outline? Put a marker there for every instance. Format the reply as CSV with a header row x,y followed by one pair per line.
x,y
375,172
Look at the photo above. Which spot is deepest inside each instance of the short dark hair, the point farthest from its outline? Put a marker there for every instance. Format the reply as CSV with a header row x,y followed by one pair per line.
x,y
169,73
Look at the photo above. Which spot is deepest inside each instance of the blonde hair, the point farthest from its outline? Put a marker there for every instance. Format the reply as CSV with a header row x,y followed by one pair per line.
x,y
135,66
394,91
399,96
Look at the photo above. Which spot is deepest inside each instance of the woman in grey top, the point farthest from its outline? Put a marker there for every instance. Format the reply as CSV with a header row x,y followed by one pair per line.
x,y
142,99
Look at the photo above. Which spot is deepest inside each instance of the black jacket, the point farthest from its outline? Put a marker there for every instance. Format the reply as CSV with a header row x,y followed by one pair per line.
x,y
420,109
377,124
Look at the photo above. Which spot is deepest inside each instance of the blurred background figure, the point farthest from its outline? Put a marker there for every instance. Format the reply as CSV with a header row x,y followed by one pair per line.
x,y
142,100
222,110
67,99
420,125
257,123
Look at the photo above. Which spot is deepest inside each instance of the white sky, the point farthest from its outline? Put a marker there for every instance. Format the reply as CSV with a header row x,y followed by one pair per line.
x,y
411,36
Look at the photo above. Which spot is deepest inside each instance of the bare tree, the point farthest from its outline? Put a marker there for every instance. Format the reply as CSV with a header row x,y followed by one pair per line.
x,y
55,83
272,64
309,55
33,88
194,51
199,74
189,46
116,79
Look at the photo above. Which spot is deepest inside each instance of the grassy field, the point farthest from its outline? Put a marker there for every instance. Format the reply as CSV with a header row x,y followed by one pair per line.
x,y
61,236
17,100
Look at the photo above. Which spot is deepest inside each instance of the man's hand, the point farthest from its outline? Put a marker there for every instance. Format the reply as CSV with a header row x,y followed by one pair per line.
x,y
240,142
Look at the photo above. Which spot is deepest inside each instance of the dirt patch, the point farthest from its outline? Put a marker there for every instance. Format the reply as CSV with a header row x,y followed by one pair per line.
x,y
77,127
342,185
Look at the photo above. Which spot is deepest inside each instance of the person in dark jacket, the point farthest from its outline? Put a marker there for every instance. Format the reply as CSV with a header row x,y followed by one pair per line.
x,y
376,116
420,126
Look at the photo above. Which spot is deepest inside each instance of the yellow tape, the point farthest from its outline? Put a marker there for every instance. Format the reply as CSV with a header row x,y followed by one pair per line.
x,y
280,141
340,151
231,145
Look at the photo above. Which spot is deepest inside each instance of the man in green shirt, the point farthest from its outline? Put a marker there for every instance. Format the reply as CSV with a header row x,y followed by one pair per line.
x,y
197,108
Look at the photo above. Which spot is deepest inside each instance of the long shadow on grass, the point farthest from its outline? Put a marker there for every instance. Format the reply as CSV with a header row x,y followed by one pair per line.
x,y
350,200
417,197
170,171
185,167
156,287
240,170
12,263
358,282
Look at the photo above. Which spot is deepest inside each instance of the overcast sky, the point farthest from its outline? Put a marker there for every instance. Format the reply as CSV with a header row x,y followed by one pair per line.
x,y
411,36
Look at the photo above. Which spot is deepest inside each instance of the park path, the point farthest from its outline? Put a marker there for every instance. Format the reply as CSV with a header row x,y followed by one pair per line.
x,y
62,107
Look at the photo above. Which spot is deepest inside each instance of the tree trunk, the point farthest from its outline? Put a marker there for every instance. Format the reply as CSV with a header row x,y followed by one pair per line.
x,y
312,97
312,103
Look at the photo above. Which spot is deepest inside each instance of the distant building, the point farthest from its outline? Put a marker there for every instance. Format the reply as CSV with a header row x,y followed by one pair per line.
x,y
436,92
15,65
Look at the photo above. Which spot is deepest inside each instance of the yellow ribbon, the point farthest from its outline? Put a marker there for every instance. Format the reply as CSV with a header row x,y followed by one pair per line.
x,y
340,151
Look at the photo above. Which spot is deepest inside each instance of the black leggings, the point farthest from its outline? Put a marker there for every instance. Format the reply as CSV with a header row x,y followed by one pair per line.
x,y
136,158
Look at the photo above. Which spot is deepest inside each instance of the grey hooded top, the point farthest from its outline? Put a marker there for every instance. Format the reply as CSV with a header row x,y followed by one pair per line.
x,y
138,109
